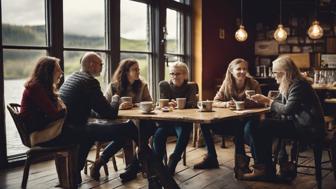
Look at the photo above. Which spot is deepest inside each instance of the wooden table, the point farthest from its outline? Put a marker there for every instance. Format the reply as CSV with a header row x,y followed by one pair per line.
x,y
155,167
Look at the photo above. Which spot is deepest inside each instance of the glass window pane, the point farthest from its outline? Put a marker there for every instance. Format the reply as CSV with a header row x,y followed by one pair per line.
x,y
171,59
84,24
144,62
134,26
183,1
174,32
23,22
18,65
72,64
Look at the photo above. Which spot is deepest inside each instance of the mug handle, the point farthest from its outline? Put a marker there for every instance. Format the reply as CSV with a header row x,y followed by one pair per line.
x,y
200,105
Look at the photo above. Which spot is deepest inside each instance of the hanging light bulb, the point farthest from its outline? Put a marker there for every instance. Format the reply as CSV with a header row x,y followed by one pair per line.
x,y
241,34
315,31
280,33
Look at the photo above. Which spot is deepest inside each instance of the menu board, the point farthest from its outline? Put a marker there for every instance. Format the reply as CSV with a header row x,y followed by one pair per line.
x,y
328,60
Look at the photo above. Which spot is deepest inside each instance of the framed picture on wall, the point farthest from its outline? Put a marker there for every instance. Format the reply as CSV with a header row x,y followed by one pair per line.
x,y
284,49
296,49
292,40
307,49
266,48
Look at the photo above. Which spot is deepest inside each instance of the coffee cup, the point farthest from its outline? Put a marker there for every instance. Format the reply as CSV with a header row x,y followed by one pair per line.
x,y
273,94
180,103
240,105
249,93
147,106
163,102
205,106
126,99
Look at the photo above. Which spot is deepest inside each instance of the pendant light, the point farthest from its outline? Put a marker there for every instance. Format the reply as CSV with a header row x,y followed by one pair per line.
x,y
241,34
315,31
280,33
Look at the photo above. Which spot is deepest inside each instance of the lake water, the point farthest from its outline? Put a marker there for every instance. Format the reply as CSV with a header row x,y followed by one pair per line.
x,y
13,94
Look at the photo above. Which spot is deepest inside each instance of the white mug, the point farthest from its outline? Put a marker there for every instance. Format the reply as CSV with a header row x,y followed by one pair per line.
x,y
205,106
147,106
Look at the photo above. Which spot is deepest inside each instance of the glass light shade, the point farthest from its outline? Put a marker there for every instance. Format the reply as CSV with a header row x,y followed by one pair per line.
x,y
241,34
280,33
315,31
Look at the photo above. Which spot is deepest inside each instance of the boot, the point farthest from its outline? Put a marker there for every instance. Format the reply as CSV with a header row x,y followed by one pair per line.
x,y
260,172
172,163
94,169
241,166
288,171
131,171
208,162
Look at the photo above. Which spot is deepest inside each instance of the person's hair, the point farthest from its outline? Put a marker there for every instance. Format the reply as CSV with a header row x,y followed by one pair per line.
x,y
120,77
181,66
230,87
285,64
43,74
86,60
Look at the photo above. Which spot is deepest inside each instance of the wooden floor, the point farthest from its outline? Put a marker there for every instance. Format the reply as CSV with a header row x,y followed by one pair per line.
x,y
43,175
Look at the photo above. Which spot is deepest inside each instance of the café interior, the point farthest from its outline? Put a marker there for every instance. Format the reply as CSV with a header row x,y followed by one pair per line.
x,y
206,35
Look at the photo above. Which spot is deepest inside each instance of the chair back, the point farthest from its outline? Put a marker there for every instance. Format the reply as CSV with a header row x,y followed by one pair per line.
x,y
14,110
194,85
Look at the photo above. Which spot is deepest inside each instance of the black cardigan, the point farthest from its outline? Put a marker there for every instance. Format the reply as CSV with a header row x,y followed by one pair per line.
x,y
302,106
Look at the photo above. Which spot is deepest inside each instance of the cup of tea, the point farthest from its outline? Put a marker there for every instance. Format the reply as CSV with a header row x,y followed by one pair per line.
x,y
126,99
273,94
147,106
240,105
163,102
249,93
181,103
205,106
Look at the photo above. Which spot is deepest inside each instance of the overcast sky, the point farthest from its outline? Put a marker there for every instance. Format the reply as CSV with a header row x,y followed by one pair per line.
x,y
84,17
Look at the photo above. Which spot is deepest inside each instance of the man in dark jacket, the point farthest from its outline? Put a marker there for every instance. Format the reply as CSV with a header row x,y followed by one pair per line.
x,y
82,95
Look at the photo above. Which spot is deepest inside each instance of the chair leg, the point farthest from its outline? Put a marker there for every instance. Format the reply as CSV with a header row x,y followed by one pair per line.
x,y
26,171
317,158
114,162
184,156
333,155
223,145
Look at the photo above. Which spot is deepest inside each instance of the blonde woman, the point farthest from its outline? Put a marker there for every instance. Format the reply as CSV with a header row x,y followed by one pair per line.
x,y
237,81
298,115
176,87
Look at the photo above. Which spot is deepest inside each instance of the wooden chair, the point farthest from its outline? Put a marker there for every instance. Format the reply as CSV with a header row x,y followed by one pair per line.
x,y
65,156
328,145
99,147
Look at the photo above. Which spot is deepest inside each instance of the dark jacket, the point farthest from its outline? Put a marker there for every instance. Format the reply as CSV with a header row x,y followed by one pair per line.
x,y
169,91
81,93
303,107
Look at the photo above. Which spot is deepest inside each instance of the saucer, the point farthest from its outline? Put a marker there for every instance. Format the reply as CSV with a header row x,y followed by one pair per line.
x,y
151,112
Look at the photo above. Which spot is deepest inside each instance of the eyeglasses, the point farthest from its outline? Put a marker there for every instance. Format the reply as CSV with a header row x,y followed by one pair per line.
x,y
175,74
276,72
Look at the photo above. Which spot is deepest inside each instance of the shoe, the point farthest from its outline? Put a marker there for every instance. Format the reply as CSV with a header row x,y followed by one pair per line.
x,y
172,163
153,183
207,163
94,169
241,166
131,172
260,173
288,171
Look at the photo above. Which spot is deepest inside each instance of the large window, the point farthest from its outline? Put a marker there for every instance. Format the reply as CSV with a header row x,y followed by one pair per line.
x,y
135,38
116,29
24,41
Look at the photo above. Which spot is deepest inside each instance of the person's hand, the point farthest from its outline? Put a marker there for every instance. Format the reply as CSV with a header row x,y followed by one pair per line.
x,y
125,106
230,104
262,99
172,103
60,105
115,98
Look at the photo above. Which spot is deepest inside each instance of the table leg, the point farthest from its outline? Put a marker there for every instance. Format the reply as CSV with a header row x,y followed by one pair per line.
x,y
151,164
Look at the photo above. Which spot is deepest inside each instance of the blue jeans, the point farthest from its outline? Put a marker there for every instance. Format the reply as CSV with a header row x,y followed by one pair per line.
x,y
166,128
238,128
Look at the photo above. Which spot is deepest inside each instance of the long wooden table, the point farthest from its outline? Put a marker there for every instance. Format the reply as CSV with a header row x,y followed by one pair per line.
x,y
155,167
